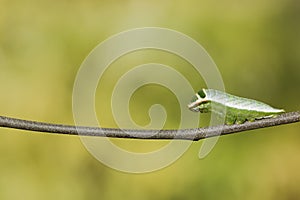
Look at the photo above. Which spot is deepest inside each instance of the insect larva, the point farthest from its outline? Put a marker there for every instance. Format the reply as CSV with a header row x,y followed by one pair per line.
x,y
238,109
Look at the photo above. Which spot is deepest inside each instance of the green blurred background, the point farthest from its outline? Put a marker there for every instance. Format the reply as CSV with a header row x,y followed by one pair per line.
x,y
255,44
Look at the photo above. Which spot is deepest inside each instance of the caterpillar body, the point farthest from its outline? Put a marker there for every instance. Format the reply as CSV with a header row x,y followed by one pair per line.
x,y
236,109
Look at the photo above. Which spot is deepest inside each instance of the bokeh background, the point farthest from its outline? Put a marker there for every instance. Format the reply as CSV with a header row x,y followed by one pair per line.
x,y
255,44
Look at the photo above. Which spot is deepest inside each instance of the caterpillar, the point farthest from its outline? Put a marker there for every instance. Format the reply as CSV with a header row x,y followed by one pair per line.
x,y
237,110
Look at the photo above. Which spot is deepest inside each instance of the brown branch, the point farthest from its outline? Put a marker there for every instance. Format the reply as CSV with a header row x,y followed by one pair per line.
x,y
183,134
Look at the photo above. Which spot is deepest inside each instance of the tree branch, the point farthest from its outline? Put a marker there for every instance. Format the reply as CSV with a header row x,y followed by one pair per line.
x,y
182,134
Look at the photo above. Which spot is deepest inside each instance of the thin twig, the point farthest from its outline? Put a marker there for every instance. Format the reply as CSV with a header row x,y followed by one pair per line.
x,y
183,134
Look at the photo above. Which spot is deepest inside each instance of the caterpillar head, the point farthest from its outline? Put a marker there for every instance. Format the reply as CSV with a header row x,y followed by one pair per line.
x,y
199,103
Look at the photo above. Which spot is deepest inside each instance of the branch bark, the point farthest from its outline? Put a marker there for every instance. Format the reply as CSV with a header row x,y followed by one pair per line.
x,y
182,134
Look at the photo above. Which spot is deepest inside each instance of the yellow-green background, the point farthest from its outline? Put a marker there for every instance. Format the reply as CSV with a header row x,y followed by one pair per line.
x,y
255,44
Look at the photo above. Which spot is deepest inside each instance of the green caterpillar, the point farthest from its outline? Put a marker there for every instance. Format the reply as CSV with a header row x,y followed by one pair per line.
x,y
238,109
